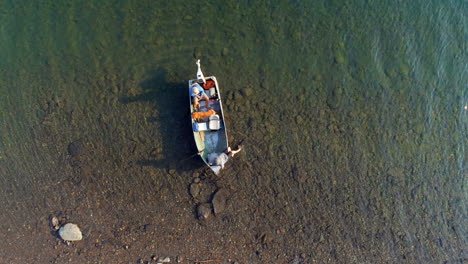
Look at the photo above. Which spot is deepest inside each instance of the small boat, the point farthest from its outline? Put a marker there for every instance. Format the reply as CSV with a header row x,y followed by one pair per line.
x,y
209,132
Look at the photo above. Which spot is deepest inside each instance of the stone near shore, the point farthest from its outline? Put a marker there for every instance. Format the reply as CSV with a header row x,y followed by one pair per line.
x,y
195,189
70,232
163,260
220,201
204,211
54,222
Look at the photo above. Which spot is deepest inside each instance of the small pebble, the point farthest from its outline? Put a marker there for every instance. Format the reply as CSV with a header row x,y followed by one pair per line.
x,y
54,222
75,148
164,260
204,211
195,189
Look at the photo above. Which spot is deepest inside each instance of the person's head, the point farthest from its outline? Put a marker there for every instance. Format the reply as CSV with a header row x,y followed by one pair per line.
x,y
195,91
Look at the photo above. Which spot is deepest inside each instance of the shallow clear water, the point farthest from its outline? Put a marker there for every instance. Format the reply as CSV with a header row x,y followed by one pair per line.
x,y
353,117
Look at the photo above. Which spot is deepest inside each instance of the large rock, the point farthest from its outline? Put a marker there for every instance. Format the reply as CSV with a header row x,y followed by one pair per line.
x,y
220,201
70,232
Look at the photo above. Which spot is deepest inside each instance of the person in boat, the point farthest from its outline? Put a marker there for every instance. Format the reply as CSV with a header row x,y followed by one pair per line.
x,y
197,93
221,158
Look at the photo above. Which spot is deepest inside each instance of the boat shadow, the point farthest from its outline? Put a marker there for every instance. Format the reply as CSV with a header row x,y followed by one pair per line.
x,y
176,148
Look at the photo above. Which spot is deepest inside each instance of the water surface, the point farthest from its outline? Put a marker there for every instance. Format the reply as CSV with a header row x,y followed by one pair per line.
x,y
352,115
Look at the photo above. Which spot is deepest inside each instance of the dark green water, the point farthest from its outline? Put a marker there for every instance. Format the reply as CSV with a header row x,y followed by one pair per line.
x,y
352,113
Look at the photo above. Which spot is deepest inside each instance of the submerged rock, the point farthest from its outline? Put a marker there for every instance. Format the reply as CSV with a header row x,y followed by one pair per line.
x,y
195,189
204,211
70,232
197,53
220,201
404,69
54,222
164,260
75,148
238,96
339,58
247,91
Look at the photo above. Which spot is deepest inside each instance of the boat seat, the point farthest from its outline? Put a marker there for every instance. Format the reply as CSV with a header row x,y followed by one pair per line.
x,y
200,126
214,123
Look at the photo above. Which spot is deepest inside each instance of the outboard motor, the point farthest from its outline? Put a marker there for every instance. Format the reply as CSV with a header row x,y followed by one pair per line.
x,y
200,77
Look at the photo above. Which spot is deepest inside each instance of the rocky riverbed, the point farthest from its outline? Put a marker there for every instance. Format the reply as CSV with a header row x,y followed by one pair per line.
x,y
352,120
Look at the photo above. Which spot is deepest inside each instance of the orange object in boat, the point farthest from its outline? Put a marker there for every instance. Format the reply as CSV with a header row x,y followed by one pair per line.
x,y
208,84
201,115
